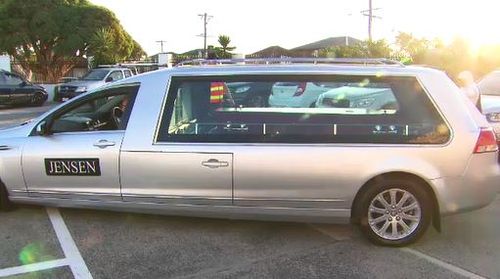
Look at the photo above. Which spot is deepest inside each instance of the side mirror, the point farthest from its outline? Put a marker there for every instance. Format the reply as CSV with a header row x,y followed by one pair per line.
x,y
41,128
109,79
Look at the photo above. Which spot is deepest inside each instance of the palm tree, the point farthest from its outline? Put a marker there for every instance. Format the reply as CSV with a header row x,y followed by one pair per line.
x,y
224,41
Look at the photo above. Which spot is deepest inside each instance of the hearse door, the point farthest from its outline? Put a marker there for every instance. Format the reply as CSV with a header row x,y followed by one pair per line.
x,y
77,154
74,165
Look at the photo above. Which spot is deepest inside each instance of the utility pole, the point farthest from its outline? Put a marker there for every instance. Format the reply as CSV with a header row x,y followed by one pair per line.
x,y
370,19
161,44
371,16
205,18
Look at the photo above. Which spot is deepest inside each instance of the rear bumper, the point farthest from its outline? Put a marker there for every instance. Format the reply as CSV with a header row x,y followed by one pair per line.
x,y
476,188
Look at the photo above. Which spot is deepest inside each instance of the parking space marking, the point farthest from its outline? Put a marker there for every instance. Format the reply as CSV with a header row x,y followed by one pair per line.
x,y
11,271
73,256
338,236
443,264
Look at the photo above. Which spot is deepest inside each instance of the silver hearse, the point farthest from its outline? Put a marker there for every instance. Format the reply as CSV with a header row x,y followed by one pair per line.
x,y
178,141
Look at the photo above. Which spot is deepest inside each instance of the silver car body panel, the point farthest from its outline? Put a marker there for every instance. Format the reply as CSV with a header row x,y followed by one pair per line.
x,y
73,145
287,180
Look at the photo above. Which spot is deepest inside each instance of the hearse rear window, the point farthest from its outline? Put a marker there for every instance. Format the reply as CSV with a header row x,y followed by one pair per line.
x,y
301,109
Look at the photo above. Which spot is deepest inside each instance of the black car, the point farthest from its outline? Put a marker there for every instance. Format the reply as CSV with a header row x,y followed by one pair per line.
x,y
14,90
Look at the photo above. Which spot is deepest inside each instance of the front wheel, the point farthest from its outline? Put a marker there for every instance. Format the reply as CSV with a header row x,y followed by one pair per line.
x,y
395,212
37,99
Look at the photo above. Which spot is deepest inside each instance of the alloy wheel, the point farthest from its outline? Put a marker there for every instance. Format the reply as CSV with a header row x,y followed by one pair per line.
x,y
394,214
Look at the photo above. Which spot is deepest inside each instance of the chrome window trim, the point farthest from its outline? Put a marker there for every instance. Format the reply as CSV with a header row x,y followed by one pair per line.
x,y
86,133
162,111
438,109
229,73
89,95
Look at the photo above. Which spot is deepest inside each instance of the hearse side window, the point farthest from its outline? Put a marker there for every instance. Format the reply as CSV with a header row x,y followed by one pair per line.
x,y
301,109
102,111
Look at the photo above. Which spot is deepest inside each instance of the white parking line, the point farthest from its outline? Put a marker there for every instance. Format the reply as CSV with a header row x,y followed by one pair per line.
x,y
443,264
73,256
335,233
32,267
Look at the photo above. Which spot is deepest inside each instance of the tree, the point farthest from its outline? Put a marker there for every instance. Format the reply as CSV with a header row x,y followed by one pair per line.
x,y
48,37
412,48
224,41
364,49
108,46
377,49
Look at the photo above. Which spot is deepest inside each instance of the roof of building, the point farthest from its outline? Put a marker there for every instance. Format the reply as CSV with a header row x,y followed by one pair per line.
x,y
272,51
328,42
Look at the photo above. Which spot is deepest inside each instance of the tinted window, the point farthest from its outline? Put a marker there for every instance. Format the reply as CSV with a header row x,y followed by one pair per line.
x,y
127,73
96,74
347,109
490,85
10,79
116,75
106,110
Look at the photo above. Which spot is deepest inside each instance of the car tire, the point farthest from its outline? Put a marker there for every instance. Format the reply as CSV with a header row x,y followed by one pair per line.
x,y
37,99
404,216
5,204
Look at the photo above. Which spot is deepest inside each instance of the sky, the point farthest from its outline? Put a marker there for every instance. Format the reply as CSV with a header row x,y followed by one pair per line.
x,y
256,24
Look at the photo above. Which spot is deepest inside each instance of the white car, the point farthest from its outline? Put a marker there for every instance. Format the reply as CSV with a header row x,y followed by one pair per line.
x,y
297,94
368,98
489,87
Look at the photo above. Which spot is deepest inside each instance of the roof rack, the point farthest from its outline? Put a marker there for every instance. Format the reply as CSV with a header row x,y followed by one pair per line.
x,y
290,60
125,65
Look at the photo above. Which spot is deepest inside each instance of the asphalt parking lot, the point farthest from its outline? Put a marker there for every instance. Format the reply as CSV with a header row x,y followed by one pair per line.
x,y
38,242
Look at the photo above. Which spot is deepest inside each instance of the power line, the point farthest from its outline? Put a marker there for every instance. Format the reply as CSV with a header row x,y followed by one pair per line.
x,y
206,17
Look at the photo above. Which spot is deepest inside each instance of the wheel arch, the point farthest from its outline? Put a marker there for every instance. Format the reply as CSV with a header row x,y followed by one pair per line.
x,y
436,216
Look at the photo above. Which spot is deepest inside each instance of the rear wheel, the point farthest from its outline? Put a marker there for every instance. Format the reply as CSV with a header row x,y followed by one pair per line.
x,y
395,212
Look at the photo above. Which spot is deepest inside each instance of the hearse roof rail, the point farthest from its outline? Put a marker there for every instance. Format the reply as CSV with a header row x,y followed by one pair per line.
x,y
290,60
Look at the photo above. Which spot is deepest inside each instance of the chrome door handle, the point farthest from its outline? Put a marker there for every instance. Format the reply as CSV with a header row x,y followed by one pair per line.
x,y
214,163
5,147
104,143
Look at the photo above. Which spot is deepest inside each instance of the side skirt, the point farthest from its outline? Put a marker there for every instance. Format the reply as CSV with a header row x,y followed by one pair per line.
x,y
337,216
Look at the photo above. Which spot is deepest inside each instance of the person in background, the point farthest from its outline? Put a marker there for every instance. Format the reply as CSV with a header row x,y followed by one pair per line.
x,y
470,88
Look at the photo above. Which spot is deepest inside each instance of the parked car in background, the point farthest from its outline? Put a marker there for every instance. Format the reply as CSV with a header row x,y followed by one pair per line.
x,y
359,97
14,90
67,79
254,94
187,148
297,94
92,80
489,88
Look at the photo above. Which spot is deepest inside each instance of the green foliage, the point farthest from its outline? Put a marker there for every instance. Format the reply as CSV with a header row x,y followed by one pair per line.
x,y
411,48
452,58
112,45
49,37
364,49
224,51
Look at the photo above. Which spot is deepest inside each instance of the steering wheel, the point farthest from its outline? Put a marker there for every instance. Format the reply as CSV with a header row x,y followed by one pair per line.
x,y
116,115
